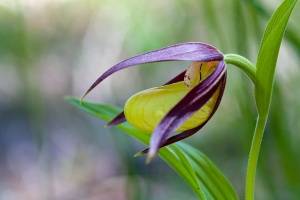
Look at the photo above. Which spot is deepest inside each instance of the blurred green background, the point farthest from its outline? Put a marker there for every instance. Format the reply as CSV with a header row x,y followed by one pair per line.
x,y
50,49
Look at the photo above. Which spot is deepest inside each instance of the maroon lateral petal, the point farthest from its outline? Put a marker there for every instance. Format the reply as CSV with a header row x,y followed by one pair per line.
x,y
120,118
191,51
191,132
185,108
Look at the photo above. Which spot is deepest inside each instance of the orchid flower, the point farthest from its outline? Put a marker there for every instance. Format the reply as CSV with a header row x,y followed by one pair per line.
x,y
184,104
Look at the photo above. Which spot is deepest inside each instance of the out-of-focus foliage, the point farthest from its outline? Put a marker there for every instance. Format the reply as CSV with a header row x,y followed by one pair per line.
x,y
49,49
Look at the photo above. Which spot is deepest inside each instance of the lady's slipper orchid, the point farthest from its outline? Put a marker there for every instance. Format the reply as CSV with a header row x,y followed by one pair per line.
x,y
184,104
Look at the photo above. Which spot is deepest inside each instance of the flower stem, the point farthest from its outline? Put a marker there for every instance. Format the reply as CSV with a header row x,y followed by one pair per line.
x,y
253,157
243,63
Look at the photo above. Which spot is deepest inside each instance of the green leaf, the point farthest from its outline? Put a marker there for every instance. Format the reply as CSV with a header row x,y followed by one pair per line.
x,y
192,165
219,187
265,72
268,53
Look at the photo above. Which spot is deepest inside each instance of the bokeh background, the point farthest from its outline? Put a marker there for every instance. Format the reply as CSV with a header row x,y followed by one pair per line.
x,y
55,48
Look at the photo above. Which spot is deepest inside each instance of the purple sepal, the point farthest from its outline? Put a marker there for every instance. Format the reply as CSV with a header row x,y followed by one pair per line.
x,y
191,51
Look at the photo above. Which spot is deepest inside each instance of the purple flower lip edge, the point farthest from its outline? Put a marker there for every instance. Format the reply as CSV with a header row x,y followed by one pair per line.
x,y
193,101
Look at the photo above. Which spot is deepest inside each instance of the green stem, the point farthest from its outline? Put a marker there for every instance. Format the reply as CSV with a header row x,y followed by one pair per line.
x,y
243,63
253,157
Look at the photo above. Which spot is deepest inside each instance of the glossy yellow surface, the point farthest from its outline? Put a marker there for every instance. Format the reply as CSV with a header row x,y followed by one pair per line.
x,y
146,109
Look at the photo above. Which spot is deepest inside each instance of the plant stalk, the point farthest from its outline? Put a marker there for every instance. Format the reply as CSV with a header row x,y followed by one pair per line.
x,y
253,156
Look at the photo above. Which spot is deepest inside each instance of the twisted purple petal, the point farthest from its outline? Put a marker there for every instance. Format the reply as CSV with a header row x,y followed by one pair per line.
x,y
191,132
184,109
191,51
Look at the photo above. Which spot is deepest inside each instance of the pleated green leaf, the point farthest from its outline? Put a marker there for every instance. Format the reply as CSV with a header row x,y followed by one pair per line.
x,y
192,165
